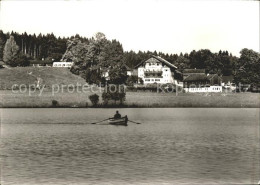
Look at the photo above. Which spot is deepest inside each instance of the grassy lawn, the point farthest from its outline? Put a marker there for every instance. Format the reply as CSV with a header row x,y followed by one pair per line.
x,y
133,99
28,76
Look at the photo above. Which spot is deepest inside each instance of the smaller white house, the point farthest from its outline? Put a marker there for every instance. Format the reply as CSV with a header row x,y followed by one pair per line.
x,y
62,64
202,83
204,89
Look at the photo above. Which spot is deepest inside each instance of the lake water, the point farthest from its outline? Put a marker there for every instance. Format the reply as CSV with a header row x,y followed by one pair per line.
x,y
171,146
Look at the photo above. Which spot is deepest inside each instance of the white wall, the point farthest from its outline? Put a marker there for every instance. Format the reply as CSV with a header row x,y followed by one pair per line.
x,y
62,64
167,75
204,89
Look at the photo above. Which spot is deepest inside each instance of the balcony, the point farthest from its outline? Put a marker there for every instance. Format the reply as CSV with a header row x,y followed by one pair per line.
x,y
149,73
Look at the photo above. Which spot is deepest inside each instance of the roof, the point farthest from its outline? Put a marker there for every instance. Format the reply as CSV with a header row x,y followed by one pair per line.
x,y
178,72
164,61
196,77
41,61
199,77
194,71
210,76
127,68
160,59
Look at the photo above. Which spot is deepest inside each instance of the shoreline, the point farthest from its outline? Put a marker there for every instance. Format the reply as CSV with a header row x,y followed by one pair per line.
x,y
133,100
123,107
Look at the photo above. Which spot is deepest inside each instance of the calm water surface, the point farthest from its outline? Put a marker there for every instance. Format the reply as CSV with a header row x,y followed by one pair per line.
x,y
171,146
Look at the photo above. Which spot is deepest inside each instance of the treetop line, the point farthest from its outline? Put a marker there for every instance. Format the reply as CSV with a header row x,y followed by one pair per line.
x,y
91,55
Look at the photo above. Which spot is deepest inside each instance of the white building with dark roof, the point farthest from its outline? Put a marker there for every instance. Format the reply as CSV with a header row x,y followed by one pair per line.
x,y
199,82
157,70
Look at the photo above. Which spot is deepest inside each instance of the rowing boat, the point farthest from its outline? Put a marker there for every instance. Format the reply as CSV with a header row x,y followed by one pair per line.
x,y
118,121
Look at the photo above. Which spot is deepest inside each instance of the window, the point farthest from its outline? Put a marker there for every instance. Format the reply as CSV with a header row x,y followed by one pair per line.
x,y
157,80
147,80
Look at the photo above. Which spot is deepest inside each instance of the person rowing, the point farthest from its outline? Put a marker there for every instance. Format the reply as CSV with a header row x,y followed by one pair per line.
x,y
117,115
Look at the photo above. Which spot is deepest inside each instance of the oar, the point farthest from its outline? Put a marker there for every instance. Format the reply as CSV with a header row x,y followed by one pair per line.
x,y
134,122
100,121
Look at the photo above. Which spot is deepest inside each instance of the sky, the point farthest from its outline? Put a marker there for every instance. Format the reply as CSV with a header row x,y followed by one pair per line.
x,y
161,25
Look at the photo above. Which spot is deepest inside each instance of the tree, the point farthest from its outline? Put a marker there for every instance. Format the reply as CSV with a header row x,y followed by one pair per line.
x,y
93,76
22,60
2,44
202,59
106,97
118,75
11,50
94,98
90,56
100,36
224,63
121,97
248,67
182,62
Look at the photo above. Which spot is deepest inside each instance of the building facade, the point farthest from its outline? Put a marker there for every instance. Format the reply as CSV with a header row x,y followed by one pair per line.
x,y
202,83
41,63
188,72
62,64
157,70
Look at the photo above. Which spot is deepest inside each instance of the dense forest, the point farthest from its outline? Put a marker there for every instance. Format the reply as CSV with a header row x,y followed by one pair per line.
x,y
36,47
91,55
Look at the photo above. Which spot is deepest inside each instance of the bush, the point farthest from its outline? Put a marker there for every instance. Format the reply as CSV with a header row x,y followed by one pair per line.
x,y
131,80
106,97
22,60
116,93
94,98
55,103
121,97
141,81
